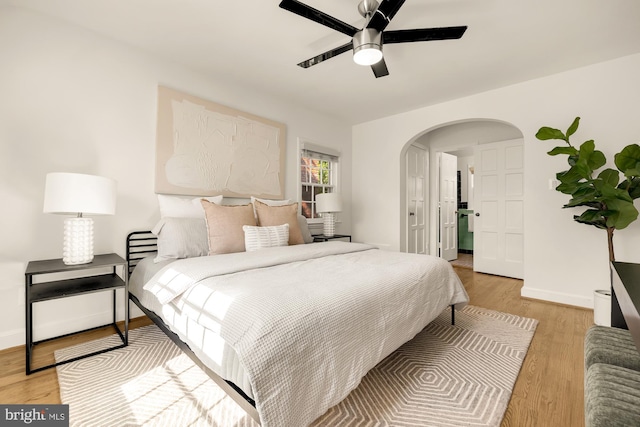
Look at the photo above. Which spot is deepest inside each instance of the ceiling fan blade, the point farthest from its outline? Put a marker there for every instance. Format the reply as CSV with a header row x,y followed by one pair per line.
x,y
380,69
317,16
384,14
327,55
423,35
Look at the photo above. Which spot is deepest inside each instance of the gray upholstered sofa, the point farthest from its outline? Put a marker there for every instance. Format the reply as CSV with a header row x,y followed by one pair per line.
x,y
612,378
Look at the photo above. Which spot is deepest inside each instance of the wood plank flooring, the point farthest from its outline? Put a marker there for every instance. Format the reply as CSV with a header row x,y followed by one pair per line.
x,y
548,392
550,388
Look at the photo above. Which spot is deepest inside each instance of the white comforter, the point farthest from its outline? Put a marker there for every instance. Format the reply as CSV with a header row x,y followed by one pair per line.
x,y
309,321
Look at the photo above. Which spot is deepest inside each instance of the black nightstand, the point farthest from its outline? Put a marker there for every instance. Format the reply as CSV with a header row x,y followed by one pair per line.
x,y
323,238
96,282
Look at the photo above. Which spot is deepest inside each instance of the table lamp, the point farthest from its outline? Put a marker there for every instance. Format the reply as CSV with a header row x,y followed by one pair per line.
x,y
79,194
328,204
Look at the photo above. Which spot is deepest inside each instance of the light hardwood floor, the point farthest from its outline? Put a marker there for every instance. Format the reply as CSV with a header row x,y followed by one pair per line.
x,y
548,392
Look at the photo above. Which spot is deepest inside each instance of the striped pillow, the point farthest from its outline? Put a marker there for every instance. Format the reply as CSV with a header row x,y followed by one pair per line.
x,y
256,238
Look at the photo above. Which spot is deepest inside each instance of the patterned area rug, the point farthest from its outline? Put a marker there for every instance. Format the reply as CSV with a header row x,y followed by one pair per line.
x,y
460,375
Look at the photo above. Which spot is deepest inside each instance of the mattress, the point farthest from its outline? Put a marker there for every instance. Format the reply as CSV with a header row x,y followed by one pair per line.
x,y
214,352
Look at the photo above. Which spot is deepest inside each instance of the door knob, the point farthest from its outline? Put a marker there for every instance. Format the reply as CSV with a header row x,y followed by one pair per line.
x,y
477,213
411,214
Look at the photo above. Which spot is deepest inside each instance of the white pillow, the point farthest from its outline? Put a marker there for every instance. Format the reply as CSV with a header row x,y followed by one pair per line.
x,y
183,207
256,238
272,202
181,238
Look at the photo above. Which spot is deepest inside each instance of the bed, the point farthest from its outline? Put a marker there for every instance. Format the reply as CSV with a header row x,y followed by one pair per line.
x,y
289,331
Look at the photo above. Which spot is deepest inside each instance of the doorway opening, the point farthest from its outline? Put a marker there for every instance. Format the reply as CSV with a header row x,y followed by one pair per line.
x,y
464,213
462,139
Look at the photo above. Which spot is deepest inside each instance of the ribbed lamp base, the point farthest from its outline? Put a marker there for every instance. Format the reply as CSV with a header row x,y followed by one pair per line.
x,y
329,224
78,241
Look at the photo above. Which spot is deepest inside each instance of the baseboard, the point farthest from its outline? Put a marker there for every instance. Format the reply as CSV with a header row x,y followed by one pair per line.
x,y
16,337
557,297
12,338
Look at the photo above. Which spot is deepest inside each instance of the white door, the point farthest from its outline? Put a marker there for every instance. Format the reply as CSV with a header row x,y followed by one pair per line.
x,y
448,198
416,205
498,241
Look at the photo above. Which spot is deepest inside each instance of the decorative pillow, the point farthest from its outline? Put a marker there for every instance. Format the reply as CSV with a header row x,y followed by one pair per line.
x,y
183,207
268,202
304,229
278,215
265,237
181,238
224,226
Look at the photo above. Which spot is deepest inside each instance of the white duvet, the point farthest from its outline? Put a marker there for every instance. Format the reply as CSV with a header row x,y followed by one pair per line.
x,y
309,321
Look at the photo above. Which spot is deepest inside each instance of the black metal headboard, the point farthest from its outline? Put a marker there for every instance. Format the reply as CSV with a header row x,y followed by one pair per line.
x,y
140,244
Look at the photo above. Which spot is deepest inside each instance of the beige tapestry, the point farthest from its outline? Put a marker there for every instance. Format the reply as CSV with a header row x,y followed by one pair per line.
x,y
206,149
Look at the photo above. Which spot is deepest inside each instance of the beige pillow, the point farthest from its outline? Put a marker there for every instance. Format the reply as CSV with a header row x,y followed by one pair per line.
x,y
224,226
269,202
277,215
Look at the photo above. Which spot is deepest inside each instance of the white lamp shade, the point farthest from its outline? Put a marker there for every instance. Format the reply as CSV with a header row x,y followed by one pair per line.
x,y
74,193
328,202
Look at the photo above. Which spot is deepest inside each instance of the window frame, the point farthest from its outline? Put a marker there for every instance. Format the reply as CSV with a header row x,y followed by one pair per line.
x,y
305,144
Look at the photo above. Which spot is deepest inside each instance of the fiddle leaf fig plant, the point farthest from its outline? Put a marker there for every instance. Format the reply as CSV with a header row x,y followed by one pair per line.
x,y
608,199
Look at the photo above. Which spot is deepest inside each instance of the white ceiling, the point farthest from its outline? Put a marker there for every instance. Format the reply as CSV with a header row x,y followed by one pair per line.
x,y
258,44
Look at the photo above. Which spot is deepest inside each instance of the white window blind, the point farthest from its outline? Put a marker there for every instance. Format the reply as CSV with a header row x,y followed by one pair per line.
x,y
310,150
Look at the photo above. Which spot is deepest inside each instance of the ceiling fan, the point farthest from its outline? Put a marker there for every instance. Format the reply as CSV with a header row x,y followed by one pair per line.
x,y
367,42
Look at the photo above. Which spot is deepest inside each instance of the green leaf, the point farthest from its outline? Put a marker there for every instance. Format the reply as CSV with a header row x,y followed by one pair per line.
x,y
587,148
610,176
591,217
574,127
628,158
585,190
625,214
582,169
583,165
597,160
589,159
570,176
574,203
567,188
611,193
545,133
631,186
571,151
584,195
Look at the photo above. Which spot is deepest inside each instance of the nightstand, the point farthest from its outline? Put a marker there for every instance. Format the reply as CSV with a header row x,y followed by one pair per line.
x,y
323,238
90,282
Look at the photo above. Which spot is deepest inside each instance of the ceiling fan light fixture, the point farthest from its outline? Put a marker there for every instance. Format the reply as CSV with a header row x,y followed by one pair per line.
x,y
367,47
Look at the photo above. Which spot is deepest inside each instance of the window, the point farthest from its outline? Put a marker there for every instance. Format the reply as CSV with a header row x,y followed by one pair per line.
x,y
318,174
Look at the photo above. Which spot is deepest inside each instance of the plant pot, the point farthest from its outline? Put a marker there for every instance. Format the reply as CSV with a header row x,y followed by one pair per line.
x,y
602,307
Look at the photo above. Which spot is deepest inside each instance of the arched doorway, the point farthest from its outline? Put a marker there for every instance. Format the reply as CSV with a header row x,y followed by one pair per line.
x,y
460,139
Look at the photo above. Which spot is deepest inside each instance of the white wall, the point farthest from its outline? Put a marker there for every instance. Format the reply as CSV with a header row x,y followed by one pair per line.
x,y
564,261
73,101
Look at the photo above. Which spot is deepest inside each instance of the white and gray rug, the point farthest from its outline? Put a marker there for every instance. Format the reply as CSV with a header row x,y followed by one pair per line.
x,y
460,375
